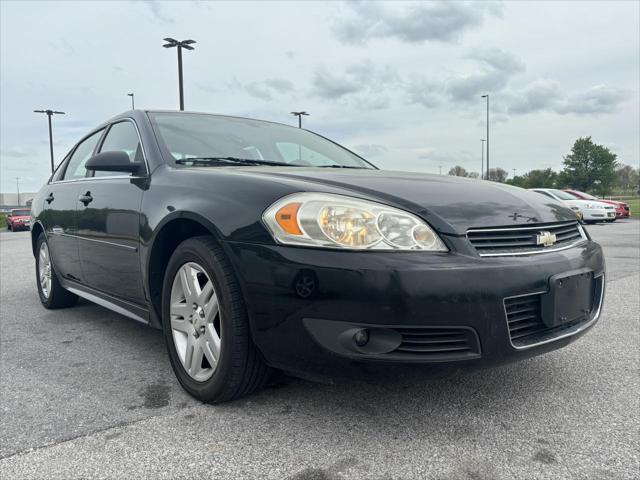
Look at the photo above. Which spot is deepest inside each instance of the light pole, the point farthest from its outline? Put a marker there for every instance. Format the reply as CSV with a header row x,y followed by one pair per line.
x,y
440,167
172,42
133,105
299,115
49,114
18,188
482,140
514,173
487,97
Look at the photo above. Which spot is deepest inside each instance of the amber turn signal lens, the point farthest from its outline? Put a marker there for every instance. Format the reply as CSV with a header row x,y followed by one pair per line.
x,y
287,218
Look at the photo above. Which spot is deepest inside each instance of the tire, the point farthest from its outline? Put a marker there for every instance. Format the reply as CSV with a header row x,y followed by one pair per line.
x,y
239,367
52,294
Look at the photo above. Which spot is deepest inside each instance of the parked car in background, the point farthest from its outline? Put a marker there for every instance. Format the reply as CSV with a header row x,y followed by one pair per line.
x,y
256,245
592,211
19,219
622,209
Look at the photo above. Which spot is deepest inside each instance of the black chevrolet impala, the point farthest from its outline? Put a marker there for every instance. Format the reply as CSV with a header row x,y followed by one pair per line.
x,y
257,246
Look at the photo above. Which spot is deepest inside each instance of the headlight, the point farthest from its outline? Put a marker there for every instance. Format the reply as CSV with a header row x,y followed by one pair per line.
x,y
590,205
575,209
336,221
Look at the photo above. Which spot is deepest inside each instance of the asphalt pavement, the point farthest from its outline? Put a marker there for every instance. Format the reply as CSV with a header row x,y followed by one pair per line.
x,y
87,393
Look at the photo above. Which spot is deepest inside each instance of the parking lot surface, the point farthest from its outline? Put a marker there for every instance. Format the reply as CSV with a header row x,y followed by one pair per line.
x,y
87,393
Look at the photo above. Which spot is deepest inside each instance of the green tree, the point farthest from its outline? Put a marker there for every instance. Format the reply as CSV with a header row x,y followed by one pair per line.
x,y
589,167
498,175
518,181
546,178
458,171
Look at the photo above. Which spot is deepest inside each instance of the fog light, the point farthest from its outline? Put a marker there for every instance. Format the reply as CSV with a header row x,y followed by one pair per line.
x,y
361,337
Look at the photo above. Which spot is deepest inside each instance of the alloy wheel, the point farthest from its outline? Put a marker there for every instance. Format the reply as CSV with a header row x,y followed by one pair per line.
x,y
44,270
195,321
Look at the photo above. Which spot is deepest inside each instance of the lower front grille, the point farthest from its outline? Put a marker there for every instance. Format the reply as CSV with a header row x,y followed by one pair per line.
x,y
524,318
437,343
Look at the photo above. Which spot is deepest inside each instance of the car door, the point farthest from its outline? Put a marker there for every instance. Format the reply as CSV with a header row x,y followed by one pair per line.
x,y
59,212
108,212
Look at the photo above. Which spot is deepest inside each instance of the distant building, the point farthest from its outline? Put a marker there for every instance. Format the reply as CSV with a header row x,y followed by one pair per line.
x,y
10,200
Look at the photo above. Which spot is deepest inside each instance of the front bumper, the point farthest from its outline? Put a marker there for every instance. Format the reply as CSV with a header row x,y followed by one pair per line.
x,y
596,214
295,296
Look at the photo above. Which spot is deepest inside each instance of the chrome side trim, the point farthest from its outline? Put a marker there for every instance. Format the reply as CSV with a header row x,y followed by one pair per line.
x,y
583,238
135,249
107,304
569,333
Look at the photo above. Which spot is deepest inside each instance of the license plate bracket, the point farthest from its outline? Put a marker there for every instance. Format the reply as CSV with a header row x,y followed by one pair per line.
x,y
570,298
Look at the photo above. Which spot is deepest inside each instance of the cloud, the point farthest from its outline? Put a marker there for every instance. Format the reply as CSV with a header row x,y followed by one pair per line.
x,y
498,67
364,82
330,86
18,152
157,11
370,150
537,96
420,90
266,89
63,46
414,23
597,99
547,95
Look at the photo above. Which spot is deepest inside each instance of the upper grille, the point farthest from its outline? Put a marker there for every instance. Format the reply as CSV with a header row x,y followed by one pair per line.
x,y
524,240
443,343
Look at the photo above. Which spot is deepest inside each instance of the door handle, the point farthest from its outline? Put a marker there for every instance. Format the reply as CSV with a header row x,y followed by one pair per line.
x,y
50,198
86,198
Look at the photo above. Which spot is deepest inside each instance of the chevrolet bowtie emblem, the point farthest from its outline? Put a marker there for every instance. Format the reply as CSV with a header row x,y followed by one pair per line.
x,y
546,238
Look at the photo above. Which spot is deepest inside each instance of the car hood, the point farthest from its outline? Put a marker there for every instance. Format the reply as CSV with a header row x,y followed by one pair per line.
x,y
586,203
451,204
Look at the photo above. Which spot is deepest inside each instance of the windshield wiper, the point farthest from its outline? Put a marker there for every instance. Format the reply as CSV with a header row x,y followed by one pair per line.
x,y
342,166
209,161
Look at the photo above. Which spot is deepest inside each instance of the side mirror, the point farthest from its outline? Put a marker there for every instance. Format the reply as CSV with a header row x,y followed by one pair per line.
x,y
113,161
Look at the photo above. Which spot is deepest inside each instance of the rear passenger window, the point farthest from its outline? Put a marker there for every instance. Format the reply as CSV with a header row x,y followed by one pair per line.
x,y
122,136
83,152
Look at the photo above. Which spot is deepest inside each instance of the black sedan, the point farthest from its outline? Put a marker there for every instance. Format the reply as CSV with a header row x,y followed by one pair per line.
x,y
258,246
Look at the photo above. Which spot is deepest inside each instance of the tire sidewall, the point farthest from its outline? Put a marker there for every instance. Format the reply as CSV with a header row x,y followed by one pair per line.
x,y
192,251
46,301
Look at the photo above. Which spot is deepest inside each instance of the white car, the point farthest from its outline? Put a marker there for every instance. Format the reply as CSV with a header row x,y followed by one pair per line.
x,y
592,211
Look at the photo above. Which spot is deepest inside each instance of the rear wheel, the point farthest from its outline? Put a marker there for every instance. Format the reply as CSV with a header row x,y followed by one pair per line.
x,y
206,327
51,293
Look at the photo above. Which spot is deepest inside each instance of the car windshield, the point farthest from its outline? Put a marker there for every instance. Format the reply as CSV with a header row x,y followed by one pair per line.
x,y
20,213
562,195
212,138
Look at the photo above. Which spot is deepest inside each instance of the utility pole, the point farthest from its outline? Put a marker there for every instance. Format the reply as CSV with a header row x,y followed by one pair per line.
x,y
50,113
172,42
133,105
440,167
299,115
514,173
18,188
482,140
487,97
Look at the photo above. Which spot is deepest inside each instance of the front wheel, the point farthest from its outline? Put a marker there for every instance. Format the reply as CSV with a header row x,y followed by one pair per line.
x,y
51,293
205,325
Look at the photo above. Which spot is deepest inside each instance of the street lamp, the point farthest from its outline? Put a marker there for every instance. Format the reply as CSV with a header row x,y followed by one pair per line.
x,y
49,114
133,105
440,167
299,115
18,188
487,97
482,140
172,42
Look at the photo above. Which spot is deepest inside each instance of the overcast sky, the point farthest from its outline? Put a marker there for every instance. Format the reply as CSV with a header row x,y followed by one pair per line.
x,y
399,83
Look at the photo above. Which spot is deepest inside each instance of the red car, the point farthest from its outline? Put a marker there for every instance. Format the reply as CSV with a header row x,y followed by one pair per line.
x,y
622,209
19,219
